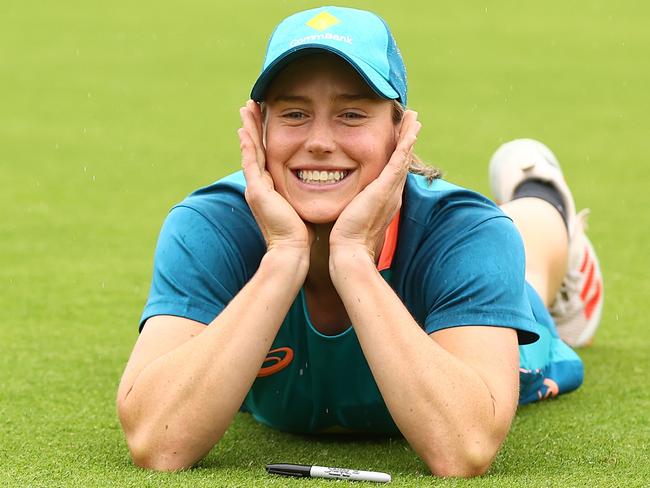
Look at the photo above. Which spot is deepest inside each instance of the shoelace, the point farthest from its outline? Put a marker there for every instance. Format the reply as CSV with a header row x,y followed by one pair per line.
x,y
567,301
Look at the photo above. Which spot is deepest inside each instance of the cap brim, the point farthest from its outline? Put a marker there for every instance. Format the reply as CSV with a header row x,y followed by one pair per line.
x,y
378,84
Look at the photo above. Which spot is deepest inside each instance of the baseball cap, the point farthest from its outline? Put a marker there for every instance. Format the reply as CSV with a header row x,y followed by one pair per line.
x,y
360,37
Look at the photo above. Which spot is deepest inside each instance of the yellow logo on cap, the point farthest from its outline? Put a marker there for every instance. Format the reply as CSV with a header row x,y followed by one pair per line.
x,y
323,21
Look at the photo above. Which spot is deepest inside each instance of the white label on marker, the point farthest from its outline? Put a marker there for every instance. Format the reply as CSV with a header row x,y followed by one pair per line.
x,y
348,474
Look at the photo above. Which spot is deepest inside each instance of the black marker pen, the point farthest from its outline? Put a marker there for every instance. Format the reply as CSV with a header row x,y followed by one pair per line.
x,y
302,471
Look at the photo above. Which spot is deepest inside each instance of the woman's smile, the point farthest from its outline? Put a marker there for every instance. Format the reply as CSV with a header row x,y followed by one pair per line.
x,y
321,178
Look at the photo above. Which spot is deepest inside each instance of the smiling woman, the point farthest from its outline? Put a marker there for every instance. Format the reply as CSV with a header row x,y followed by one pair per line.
x,y
326,288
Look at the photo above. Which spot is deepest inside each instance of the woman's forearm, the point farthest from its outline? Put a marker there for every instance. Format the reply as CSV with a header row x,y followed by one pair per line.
x,y
180,404
440,404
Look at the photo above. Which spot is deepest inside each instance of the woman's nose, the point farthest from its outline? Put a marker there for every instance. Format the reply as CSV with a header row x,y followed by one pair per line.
x,y
320,139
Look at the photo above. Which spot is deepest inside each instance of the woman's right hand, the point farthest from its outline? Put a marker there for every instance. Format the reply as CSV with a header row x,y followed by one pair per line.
x,y
281,226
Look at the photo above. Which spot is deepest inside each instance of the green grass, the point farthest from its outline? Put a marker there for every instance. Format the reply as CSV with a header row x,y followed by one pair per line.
x,y
111,112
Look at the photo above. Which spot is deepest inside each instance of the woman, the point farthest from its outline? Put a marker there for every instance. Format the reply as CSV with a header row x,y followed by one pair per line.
x,y
340,291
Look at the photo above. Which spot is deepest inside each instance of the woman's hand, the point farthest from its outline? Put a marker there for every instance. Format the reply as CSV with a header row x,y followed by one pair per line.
x,y
278,221
363,222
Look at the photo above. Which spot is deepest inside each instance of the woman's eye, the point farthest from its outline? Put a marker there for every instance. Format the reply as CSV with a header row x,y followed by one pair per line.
x,y
294,115
352,116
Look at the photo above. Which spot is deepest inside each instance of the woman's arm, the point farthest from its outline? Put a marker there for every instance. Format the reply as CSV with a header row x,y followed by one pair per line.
x,y
453,394
184,381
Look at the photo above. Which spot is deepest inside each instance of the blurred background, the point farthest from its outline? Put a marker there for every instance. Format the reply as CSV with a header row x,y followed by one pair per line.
x,y
111,112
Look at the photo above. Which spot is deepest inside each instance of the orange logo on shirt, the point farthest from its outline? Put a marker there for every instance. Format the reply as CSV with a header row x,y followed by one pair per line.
x,y
276,363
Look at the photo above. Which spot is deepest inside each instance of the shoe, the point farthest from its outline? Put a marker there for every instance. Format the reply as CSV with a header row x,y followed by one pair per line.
x,y
577,307
578,304
528,159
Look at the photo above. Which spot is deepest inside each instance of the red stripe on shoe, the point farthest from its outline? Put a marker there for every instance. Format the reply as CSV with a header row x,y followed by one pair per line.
x,y
593,301
590,279
585,260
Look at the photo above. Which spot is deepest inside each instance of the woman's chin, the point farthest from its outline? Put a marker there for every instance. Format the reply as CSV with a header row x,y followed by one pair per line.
x,y
319,217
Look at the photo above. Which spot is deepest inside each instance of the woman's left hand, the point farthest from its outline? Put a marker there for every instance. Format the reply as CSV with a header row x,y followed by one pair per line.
x,y
364,220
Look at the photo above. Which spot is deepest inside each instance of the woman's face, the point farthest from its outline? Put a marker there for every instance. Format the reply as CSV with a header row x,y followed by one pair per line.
x,y
327,135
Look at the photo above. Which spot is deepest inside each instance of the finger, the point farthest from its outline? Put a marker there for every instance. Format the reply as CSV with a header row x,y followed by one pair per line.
x,y
256,110
409,129
256,113
252,171
249,124
410,125
407,119
399,162
407,137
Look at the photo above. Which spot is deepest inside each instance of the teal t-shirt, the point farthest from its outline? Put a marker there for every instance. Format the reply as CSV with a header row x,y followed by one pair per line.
x,y
458,260
327,383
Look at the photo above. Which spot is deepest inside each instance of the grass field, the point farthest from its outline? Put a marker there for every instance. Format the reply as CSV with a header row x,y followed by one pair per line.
x,y
110,112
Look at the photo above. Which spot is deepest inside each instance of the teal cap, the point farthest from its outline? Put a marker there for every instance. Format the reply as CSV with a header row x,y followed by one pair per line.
x,y
361,38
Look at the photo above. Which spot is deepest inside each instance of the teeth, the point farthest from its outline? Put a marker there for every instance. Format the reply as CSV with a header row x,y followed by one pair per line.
x,y
321,177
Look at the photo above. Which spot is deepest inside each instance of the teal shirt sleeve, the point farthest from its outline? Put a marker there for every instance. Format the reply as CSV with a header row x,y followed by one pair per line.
x,y
208,249
460,261
479,280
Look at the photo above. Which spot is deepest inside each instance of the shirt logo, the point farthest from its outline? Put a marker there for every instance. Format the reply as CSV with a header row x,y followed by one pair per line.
x,y
274,364
323,21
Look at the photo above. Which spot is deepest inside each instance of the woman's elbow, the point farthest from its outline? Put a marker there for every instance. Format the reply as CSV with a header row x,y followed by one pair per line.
x,y
160,461
148,455
467,463
150,451
455,469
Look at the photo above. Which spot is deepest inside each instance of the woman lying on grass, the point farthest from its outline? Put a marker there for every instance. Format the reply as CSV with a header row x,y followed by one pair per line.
x,y
338,285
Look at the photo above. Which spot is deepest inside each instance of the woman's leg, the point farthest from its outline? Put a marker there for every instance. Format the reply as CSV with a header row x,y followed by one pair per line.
x,y
561,264
546,242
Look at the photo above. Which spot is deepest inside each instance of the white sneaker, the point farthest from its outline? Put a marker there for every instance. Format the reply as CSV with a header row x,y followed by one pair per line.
x,y
528,159
578,304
